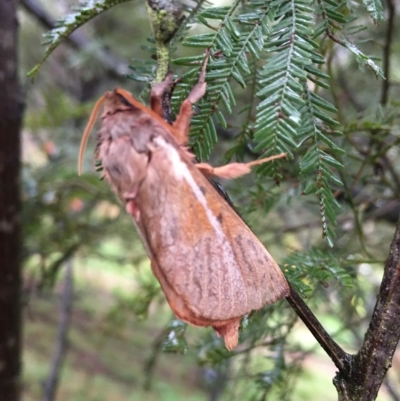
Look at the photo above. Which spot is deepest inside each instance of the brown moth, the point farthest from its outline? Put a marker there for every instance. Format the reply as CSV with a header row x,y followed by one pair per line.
x,y
211,267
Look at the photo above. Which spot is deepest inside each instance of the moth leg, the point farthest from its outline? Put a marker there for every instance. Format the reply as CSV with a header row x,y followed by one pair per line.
x,y
132,208
157,92
234,170
131,205
182,122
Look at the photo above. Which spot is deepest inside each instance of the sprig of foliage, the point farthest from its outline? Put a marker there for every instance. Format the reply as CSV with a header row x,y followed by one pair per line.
x,y
375,10
175,340
230,43
289,113
307,269
188,22
321,157
67,25
278,116
364,60
334,20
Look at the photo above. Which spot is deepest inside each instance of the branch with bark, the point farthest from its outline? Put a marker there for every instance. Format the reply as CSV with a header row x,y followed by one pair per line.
x,y
360,376
370,364
10,205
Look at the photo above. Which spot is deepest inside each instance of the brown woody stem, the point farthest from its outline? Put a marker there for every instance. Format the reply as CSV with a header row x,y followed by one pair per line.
x,y
339,357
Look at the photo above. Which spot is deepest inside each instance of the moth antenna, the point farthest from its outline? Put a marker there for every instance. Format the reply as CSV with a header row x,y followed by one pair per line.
x,y
128,96
86,133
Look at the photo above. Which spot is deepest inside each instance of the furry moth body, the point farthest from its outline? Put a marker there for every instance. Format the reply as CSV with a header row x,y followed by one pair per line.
x,y
211,267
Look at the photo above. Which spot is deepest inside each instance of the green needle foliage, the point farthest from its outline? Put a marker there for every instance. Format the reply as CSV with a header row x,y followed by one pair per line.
x,y
229,48
375,9
69,24
305,269
280,34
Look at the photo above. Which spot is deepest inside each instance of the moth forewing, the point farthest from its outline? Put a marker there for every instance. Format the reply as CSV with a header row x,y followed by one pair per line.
x,y
212,268
207,253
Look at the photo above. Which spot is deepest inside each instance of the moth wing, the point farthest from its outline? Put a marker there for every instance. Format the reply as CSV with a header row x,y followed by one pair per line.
x,y
228,329
206,253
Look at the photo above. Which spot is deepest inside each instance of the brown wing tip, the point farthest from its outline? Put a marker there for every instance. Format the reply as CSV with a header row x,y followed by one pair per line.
x,y
284,291
229,333
280,291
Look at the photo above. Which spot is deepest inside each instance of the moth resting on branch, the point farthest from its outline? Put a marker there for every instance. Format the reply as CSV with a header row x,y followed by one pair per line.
x,y
211,267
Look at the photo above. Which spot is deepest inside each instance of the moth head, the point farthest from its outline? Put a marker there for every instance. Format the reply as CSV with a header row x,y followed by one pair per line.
x,y
113,101
117,100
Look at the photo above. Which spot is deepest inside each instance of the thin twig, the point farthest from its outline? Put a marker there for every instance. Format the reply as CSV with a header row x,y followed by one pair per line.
x,y
358,224
387,51
115,67
347,90
338,356
51,383
393,173
151,361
